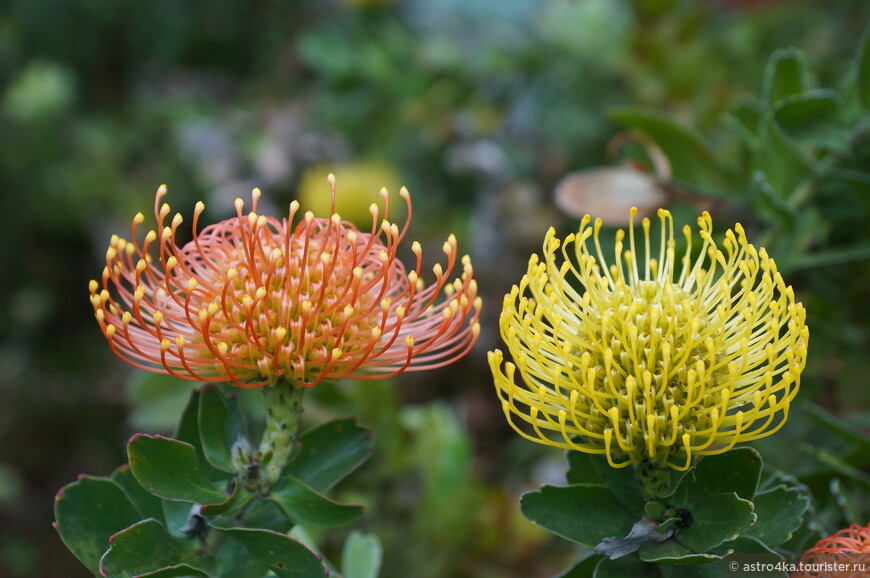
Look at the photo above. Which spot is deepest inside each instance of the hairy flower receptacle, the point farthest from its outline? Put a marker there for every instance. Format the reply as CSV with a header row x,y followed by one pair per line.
x,y
283,418
654,479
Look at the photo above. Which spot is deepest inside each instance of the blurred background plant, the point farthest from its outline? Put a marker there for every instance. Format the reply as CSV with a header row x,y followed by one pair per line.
x,y
481,109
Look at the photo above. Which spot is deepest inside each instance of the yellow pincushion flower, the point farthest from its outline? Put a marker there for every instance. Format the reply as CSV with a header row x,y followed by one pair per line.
x,y
641,361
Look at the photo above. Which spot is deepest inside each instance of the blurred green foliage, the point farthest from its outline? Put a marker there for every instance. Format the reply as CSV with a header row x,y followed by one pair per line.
x,y
481,107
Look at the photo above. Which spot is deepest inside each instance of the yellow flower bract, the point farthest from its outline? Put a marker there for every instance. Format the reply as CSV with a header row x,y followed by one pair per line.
x,y
641,361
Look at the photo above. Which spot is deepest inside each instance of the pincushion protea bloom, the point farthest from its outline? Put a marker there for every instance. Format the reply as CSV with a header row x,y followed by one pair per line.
x,y
645,363
254,299
281,303
844,554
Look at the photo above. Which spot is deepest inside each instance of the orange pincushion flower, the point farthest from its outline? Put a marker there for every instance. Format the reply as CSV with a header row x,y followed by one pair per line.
x,y
255,298
843,554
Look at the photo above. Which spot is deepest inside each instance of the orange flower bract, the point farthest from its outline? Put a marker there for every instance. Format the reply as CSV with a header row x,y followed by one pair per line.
x,y
254,299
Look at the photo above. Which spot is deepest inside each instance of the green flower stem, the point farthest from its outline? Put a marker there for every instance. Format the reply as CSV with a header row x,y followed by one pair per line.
x,y
283,416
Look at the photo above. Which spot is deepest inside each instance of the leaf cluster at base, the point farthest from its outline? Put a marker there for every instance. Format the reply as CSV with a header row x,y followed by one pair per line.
x,y
180,507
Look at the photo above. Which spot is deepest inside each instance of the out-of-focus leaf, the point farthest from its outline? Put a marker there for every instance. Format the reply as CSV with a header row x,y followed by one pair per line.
x,y
856,88
783,162
835,423
361,556
810,115
768,202
157,400
744,117
41,91
859,181
785,76
88,512
837,463
688,153
845,502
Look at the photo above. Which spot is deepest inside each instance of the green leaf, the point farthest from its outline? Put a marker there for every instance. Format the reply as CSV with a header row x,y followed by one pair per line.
x,y
234,560
837,424
805,536
188,432
188,424
305,506
581,468
582,513
625,566
809,115
283,555
715,519
784,165
361,555
747,550
219,428
88,512
839,256
175,571
688,153
267,515
856,87
301,535
780,512
837,463
785,76
170,469
233,503
672,552
582,568
845,502
586,468
329,453
176,515
713,570
146,547
769,202
737,470
744,118
146,503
